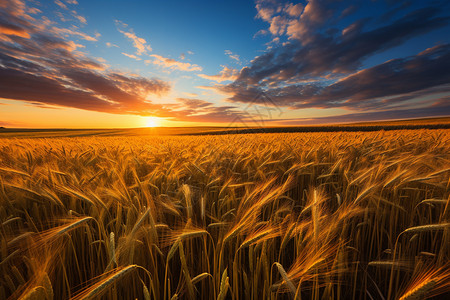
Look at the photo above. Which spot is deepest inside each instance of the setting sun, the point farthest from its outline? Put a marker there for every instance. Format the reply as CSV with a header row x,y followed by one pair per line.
x,y
152,122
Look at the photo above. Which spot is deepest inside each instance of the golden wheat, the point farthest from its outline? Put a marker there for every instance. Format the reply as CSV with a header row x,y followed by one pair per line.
x,y
345,215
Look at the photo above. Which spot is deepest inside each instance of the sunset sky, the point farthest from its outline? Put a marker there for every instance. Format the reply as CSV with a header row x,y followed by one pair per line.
x,y
96,64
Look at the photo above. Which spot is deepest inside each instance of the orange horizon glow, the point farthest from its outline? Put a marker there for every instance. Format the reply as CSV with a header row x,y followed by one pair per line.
x,y
152,122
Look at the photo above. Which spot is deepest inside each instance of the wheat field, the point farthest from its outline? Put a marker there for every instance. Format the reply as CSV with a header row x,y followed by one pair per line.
x,y
261,216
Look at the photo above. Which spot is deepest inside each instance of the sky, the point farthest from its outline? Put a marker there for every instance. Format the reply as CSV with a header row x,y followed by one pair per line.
x,y
115,64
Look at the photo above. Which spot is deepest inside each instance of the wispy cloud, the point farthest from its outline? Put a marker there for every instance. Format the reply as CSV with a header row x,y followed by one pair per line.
x,y
232,55
173,64
109,45
131,56
260,32
141,45
73,12
190,94
40,105
80,18
60,4
227,74
75,32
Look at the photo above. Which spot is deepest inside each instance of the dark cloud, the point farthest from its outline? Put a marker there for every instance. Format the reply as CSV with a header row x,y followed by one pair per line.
x,y
19,85
13,18
12,29
395,77
77,87
41,105
380,87
341,53
401,5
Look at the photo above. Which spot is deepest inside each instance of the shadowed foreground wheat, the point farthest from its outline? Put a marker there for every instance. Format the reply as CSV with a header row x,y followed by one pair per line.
x,y
263,216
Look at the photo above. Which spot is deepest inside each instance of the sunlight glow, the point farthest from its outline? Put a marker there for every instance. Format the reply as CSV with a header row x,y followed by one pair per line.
x,y
152,122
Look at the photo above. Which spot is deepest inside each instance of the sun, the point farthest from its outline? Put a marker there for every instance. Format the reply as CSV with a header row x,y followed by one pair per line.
x,y
151,122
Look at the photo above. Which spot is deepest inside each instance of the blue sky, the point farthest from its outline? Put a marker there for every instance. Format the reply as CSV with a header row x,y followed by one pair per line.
x,y
76,63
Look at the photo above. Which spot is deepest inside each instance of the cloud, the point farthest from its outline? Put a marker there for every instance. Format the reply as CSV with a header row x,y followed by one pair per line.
x,y
10,29
74,13
14,19
34,10
190,94
378,87
75,32
316,13
109,45
231,55
80,18
294,10
40,105
291,17
60,4
260,33
139,43
337,54
79,87
266,9
370,87
131,56
193,103
387,16
227,74
173,64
